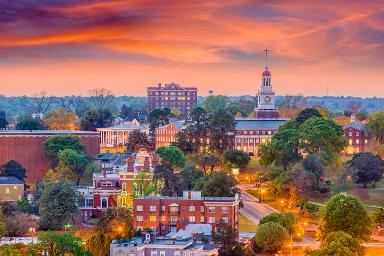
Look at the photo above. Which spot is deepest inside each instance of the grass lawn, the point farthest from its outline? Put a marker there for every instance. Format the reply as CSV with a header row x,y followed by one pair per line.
x,y
246,225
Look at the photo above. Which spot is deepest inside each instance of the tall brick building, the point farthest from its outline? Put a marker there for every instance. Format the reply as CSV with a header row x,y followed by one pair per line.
x,y
172,96
169,214
357,137
26,147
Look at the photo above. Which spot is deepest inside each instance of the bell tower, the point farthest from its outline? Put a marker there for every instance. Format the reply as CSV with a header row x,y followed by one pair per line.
x,y
266,107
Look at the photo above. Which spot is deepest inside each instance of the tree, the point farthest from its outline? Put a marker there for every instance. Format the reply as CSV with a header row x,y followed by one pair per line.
x,y
378,217
366,168
362,115
345,213
61,244
339,244
287,220
137,139
100,117
376,126
215,103
172,155
221,125
99,244
30,123
9,250
142,185
283,150
271,236
227,237
219,184
40,103
312,164
13,168
3,226
54,144
60,119
236,158
127,112
101,97
183,142
3,120
73,162
157,118
189,176
19,223
57,205
208,161
322,136
117,222
171,184
306,114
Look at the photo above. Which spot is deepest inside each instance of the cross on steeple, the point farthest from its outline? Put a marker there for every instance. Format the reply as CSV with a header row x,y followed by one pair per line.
x,y
266,58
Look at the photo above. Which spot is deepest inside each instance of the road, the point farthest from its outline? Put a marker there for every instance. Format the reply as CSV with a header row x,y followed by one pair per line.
x,y
255,211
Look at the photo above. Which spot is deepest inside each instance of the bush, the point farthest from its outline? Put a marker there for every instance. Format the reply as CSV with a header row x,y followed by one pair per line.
x,y
271,236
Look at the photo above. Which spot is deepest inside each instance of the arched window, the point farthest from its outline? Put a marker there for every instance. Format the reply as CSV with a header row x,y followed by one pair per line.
x,y
124,186
123,200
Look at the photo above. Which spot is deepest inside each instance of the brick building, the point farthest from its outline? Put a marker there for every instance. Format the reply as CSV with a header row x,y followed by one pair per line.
x,y
357,137
170,214
166,134
172,96
11,189
26,147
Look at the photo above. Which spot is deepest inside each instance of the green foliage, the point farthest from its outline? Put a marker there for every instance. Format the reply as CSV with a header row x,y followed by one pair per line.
x,y
127,112
324,137
306,114
157,118
171,184
271,236
62,244
283,149
24,206
136,140
30,123
57,203
221,124
378,217
366,168
117,222
142,185
376,126
72,162
312,163
13,168
99,244
236,158
54,144
208,161
97,118
218,184
9,250
3,227
172,155
189,176
227,237
87,178
215,103
345,213
339,244
3,120
287,220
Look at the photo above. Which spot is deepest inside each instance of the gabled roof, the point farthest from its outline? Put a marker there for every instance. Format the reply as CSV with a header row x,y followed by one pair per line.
x,y
172,86
177,123
10,180
357,126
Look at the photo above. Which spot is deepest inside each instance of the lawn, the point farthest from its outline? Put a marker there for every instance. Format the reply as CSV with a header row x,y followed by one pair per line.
x,y
246,225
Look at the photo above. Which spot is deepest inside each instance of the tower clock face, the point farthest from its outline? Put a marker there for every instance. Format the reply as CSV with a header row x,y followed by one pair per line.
x,y
267,99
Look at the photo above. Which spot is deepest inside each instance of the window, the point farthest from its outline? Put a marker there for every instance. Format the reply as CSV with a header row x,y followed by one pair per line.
x,y
225,219
162,218
357,134
191,208
163,208
366,141
357,141
211,220
269,132
224,209
202,219
104,203
153,253
191,219
123,200
152,208
350,142
139,208
162,253
201,208
14,187
350,134
152,218
139,218
176,254
211,209
7,190
124,186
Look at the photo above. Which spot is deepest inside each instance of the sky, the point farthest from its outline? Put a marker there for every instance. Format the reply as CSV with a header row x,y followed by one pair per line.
x,y
67,47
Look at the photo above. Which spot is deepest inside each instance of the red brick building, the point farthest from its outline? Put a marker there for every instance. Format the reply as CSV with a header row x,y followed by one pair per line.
x,y
172,96
357,137
166,134
169,214
26,147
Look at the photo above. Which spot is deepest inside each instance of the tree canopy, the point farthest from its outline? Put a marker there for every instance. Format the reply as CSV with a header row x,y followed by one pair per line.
x,y
307,113
136,140
54,144
217,184
13,168
227,238
376,126
171,154
366,168
236,158
61,244
30,123
60,119
345,213
215,103
3,120
271,236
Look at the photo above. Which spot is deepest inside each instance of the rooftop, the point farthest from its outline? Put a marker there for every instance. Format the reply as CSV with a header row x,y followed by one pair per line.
x,y
246,123
10,180
45,132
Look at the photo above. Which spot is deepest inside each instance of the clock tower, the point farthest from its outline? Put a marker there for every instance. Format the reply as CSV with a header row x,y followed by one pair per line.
x,y
266,107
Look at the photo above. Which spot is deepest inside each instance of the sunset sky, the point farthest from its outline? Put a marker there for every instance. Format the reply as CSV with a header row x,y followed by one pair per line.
x,y
67,47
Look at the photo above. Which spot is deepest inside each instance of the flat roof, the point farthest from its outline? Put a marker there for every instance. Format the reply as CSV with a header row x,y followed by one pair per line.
x,y
46,132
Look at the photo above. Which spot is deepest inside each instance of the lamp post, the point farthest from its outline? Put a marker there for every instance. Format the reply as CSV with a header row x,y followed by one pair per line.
x,y
262,195
282,205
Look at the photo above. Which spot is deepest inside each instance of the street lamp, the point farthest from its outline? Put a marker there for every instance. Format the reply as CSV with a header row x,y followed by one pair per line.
x,y
262,194
282,205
